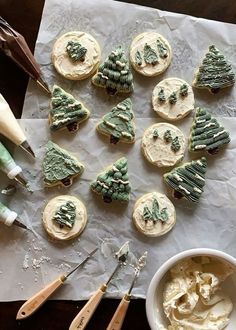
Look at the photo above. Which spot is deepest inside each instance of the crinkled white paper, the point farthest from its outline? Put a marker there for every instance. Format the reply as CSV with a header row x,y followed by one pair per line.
x,y
31,260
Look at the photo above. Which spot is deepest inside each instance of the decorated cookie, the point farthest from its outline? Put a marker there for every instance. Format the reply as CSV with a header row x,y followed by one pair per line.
x,y
188,180
214,72
154,214
115,74
118,123
150,54
206,133
163,144
113,183
173,99
76,55
66,111
59,167
64,217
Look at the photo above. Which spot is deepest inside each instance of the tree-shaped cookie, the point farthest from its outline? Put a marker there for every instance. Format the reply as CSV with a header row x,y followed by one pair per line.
x,y
188,180
66,111
215,72
59,167
206,133
115,74
113,184
118,123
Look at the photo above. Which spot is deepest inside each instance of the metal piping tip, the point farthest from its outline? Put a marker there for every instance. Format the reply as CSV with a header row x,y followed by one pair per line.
x,y
43,85
18,223
25,146
21,180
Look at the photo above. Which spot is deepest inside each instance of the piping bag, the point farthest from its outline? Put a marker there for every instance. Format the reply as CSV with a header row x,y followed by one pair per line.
x,y
8,217
8,166
10,128
13,44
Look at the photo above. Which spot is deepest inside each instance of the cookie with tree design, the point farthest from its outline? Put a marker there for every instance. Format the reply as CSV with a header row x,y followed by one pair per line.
x,y
113,184
114,74
215,72
118,123
188,180
66,111
154,214
207,134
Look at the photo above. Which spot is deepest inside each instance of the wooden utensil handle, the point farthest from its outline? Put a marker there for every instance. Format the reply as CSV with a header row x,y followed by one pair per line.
x,y
32,304
119,316
83,317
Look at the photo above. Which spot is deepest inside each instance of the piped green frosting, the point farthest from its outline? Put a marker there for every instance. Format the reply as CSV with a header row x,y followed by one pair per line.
x,y
206,133
138,58
162,49
113,184
59,165
214,72
118,122
66,214
150,56
188,180
155,134
167,136
161,95
76,51
173,98
183,90
65,109
115,74
155,214
175,145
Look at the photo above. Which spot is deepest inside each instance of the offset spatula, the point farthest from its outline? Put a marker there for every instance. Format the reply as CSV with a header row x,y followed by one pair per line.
x,y
85,314
31,305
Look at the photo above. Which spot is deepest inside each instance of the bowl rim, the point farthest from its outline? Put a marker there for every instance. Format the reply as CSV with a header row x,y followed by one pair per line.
x,y
161,271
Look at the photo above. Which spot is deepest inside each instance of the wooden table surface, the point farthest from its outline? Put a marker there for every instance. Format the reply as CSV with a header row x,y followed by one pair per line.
x,y
25,16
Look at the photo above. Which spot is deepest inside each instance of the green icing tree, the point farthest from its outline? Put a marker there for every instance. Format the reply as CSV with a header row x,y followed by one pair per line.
x,y
155,214
66,111
150,55
206,133
214,72
59,166
118,123
113,184
66,214
188,180
115,74
76,51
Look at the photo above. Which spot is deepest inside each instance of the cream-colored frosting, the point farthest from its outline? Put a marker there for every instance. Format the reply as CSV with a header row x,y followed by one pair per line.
x,y
138,45
148,227
53,228
9,126
178,110
80,69
193,300
157,150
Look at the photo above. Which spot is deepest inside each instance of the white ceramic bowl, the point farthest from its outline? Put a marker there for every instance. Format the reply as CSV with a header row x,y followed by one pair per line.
x,y
154,299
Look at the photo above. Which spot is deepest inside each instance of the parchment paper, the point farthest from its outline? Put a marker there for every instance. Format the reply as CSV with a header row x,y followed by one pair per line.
x,y
29,261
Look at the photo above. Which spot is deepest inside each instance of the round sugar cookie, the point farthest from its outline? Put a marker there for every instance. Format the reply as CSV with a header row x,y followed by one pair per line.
x,y
53,208
154,214
76,55
150,53
173,99
163,144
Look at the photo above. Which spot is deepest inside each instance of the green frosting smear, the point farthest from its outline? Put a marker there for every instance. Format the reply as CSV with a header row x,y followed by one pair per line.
x,y
65,109
76,51
118,122
138,58
161,95
66,215
173,98
150,55
188,180
59,165
155,134
5,158
167,136
115,74
206,133
113,184
214,72
162,49
155,214
183,90
175,145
